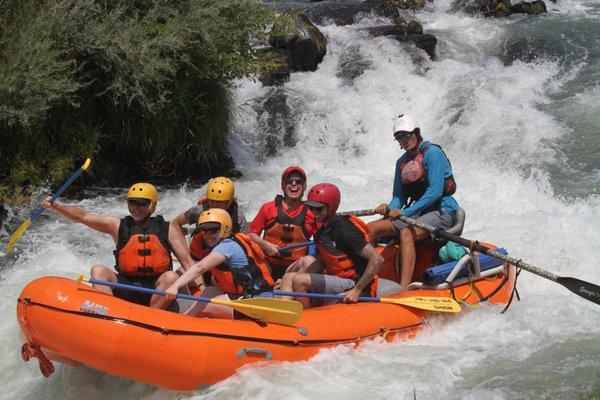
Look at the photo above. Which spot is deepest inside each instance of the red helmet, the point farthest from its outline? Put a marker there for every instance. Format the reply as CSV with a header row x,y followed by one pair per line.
x,y
288,171
325,193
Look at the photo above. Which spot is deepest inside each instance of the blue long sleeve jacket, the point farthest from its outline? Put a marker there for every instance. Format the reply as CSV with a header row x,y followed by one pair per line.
x,y
438,169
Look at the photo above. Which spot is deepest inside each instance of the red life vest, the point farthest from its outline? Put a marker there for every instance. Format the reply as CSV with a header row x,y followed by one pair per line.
x,y
284,230
338,263
414,177
253,279
143,251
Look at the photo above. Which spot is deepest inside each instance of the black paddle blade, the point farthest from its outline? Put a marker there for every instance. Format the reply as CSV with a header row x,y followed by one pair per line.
x,y
587,290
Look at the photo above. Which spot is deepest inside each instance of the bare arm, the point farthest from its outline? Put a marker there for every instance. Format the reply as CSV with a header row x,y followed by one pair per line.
x,y
269,248
179,246
373,266
103,224
194,271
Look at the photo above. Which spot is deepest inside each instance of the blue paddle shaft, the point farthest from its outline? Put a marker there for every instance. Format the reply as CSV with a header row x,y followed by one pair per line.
x,y
295,246
146,290
323,296
38,211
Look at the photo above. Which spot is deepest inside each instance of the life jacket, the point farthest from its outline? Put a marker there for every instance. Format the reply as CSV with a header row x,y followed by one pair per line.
x,y
414,177
253,279
143,251
338,263
284,230
198,247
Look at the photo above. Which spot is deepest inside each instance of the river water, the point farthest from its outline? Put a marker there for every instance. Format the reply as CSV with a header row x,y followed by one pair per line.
x,y
515,104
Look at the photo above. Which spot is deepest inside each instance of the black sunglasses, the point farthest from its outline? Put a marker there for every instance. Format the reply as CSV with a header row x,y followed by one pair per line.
x,y
138,202
210,230
296,180
316,208
403,135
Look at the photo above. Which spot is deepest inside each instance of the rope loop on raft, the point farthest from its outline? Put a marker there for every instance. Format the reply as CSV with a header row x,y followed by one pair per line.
x,y
29,350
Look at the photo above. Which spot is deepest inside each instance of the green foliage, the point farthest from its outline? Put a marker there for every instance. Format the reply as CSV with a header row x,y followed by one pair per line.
x,y
142,85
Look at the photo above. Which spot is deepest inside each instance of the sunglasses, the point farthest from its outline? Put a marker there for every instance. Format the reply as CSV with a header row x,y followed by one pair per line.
x,y
138,202
403,135
295,181
210,230
316,208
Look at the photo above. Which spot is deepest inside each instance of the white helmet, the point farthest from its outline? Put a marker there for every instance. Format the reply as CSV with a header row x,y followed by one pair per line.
x,y
405,123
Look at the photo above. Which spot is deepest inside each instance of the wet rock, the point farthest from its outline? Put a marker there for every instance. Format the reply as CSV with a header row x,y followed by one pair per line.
x,y
280,74
352,65
277,120
347,12
533,7
402,33
298,39
487,8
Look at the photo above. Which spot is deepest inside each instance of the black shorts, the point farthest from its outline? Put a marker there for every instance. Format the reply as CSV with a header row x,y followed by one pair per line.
x,y
134,296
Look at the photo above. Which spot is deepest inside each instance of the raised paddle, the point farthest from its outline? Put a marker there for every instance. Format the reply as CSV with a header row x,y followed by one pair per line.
x,y
587,290
442,304
38,211
278,311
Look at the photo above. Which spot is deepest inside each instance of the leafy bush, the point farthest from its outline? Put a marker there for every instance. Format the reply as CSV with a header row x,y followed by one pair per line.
x,y
141,85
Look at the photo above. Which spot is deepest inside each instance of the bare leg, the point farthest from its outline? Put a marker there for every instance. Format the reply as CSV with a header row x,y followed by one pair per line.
x,y
198,307
102,272
380,228
408,237
163,282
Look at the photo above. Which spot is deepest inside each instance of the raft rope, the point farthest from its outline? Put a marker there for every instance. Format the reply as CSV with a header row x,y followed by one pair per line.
x,y
514,291
29,350
167,331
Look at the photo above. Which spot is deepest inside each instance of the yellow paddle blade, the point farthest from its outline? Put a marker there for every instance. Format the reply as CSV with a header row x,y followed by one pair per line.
x,y
442,304
285,312
17,234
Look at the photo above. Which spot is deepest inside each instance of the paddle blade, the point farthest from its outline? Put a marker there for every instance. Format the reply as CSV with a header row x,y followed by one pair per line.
x,y
587,290
17,234
278,311
440,304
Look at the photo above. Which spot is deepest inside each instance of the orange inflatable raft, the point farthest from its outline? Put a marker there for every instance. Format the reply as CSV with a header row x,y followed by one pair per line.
x,y
72,323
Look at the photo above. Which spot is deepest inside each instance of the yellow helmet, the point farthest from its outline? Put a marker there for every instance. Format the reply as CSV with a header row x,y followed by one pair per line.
x,y
218,216
220,189
143,190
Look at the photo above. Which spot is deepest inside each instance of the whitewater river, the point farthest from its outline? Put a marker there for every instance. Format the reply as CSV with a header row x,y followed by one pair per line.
x,y
514,102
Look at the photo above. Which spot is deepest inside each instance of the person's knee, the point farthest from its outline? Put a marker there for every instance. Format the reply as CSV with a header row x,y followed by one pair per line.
x,y
100,271
406,235
167,279
301,282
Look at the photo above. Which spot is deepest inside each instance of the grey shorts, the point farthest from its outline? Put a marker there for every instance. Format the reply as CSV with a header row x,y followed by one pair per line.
x,y
437,219
328,284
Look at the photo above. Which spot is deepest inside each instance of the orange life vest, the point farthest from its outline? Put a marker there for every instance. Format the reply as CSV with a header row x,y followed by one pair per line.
x,y
284,230
414,177
253,279
198,247
338,263
143,251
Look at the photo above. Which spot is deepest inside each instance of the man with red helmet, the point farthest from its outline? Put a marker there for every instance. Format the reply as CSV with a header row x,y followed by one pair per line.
x,y
284,221
350,263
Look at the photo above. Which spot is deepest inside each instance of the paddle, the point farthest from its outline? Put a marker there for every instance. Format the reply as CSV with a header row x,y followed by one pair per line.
x,y
442,304
38,211
278,311
587,290
359,213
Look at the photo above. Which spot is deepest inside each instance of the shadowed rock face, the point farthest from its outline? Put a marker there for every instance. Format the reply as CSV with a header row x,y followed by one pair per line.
x,y
401,33
499,8
298,39
352,65
277,120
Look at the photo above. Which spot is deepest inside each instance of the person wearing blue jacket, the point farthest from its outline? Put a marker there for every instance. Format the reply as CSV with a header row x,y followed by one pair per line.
x,y
423,188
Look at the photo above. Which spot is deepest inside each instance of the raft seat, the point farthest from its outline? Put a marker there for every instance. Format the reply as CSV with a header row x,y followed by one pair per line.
x,y
465,270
